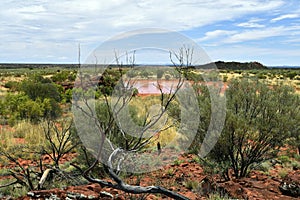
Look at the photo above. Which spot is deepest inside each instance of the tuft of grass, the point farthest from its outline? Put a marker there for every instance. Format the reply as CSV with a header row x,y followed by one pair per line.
x,y
196,159
13,191
295,165
22,129
177,162
284,159
297,157
170,172
4,171
216,196
283,173
264,167
192,185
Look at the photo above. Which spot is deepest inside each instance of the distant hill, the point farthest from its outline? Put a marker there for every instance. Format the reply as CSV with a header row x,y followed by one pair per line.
x,y
233,65
239,65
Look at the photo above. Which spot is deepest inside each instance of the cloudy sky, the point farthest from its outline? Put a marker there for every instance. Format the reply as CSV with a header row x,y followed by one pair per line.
x,y
44,31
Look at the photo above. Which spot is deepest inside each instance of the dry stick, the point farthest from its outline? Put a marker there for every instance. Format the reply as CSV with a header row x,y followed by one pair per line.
x,y
29,179
44,178
137,189
120,185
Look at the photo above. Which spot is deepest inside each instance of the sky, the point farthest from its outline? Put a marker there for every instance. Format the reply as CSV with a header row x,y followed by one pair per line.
x,y
44,31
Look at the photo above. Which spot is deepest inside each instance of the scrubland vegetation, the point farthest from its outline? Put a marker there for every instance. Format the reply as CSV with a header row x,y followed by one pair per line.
x,y
262,118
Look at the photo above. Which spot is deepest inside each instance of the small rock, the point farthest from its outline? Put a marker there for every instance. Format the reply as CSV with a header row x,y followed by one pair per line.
x,y
290,189
30,194
290,186
92,197
106,194
76,195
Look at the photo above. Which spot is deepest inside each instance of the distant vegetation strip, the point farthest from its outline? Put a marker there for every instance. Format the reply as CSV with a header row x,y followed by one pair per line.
x,y
35,65
219,64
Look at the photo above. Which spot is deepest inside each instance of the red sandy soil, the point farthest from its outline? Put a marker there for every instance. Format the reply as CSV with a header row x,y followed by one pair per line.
x,y
25,163
257,185
174,177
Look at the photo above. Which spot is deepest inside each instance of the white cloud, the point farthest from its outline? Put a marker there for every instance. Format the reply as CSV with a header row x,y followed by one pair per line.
x,y
124,15
293,41
137,32
216,34
287,16
91,22
253,23
258,34
31,9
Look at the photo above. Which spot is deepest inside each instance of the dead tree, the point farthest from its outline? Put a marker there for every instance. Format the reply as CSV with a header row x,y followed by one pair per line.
x,y
115,159
60,138
22,176
60,142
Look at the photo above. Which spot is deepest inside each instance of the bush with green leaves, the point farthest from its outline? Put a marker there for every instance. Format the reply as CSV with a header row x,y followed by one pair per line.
x,y
12,85
261,76
160,73
39,87
115,134
36,99
193,76
60,76
108,81
65,75
20,106
291,74
144,74
259,120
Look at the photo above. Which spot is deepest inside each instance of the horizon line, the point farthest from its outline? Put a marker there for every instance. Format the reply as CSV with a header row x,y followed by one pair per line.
x,y
139,64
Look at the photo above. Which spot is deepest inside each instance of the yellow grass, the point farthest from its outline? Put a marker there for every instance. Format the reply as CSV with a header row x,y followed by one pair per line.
x,y
150,106
30,134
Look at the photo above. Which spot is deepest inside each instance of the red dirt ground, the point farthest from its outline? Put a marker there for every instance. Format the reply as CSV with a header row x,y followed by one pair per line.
x,y
174,177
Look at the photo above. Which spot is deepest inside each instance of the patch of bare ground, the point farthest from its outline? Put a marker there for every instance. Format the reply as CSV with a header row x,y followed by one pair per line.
x,y
186,177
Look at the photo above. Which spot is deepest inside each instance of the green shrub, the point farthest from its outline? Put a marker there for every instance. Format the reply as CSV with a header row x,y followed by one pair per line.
x,y
255,115
41,89
225,78
264,167
144,74
291,75
261,76
284,159
177,162
20,106
295,165
160,73
60,76
12,85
